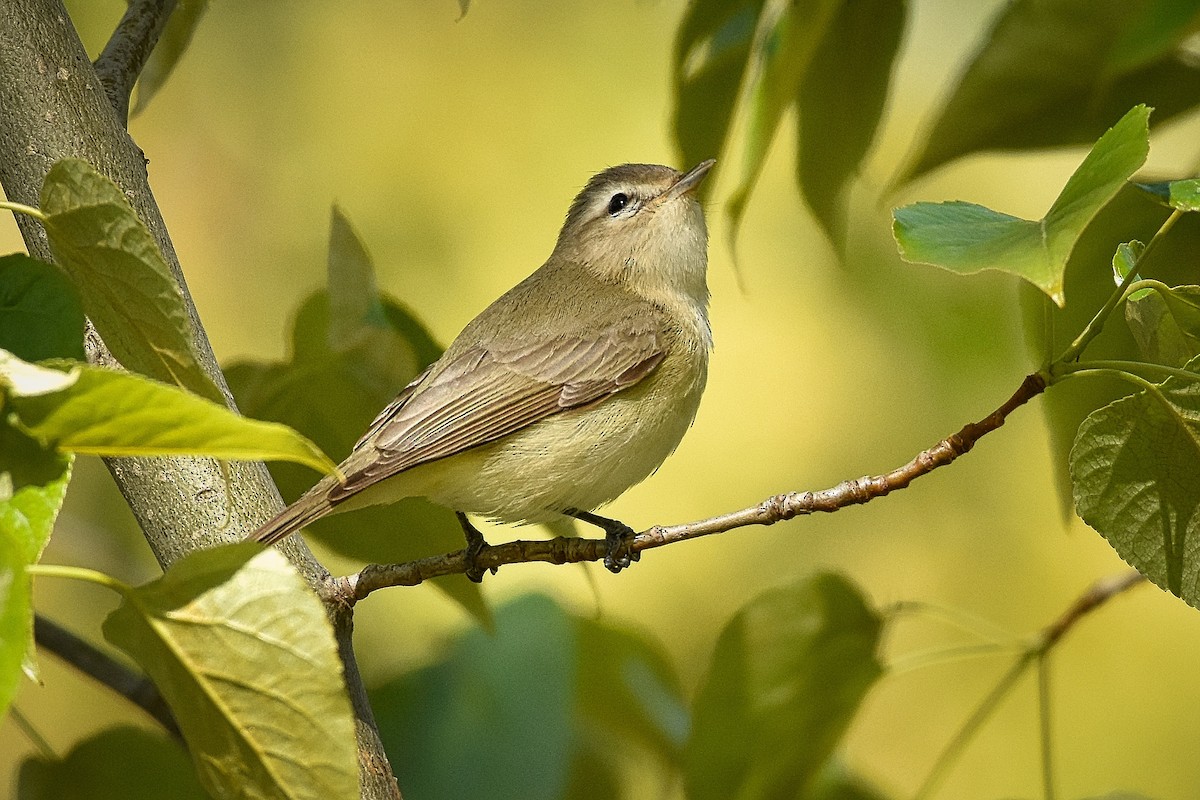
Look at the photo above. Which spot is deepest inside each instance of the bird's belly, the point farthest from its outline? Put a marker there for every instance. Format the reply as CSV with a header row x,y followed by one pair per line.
x,y
581,458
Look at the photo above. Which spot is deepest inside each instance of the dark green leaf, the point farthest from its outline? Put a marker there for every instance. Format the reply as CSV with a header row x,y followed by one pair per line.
x,y
244,654
116,764
1055,72
1136,473
627,687
456,729
110,413
967,238
355,306
172,44
782,57
593,777
841,99
1166,327
41,315
1184,195
836,782
787,676
712,50
128,290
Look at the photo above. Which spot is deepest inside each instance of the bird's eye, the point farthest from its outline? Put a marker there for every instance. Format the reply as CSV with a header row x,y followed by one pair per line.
x,y
617,203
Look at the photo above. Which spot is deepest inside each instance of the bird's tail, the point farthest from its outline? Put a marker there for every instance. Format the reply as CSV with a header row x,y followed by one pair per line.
x,y
312,506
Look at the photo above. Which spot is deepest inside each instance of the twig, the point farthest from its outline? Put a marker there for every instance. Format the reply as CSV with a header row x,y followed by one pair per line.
x,y
352,588
123,58
1037,652
102,667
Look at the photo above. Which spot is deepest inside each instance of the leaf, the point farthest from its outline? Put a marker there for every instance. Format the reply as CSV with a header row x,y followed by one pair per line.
x,y
123,763
1183,195
361,348
836,782
33,482
41,314
244,655
841,99
712,52
1054,72
1125,260
172,44
967,238
782,57
456,729
128,290
1049,329
788,673
1136,473
110,413
1167,329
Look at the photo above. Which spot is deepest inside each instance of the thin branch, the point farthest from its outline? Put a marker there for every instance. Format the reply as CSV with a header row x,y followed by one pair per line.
x,y
1097,595
352,588
123,58
102,667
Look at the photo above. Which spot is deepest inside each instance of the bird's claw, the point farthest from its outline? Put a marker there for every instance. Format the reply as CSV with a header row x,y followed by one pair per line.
x,y
618,553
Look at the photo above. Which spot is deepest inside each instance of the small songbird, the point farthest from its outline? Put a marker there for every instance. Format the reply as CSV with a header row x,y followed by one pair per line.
x,y
573,386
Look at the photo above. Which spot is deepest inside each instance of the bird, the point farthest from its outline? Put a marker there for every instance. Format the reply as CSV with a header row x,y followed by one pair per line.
x,y
567,390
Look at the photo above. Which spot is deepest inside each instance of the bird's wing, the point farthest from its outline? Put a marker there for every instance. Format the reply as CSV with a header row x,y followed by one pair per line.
x,y
487,392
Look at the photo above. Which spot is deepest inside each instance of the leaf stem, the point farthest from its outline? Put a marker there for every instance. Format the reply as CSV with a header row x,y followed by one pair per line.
x,y
32,734
1093,328
1047,742
21,208
79,574
1130,367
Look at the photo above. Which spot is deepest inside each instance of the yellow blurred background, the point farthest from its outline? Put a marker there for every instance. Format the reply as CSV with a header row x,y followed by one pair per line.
x,y
455,145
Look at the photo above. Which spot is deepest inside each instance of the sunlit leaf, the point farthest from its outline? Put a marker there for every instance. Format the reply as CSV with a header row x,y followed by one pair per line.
x,y
967,238
110,413
41,314
1125,260
127,288
33,482
841,98
1136,473
788,673
172,44
116,764
1167,329
244,655
1056,72
712,51
1184,195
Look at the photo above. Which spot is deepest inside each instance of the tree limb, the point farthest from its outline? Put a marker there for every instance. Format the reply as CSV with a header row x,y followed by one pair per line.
x,y
123,58
52,106
352,588
96,664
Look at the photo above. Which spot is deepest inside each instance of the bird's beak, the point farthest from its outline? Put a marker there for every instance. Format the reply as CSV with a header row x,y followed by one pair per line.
x,y
688,182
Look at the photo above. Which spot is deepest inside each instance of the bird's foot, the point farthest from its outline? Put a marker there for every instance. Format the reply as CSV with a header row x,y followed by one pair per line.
x,y
618,538
476,544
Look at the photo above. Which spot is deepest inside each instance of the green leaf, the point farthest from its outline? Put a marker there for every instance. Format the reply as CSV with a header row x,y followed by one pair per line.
x,y
244,655
172,44
41,314
836,782
1183,195
782,57
456,729
967,238
110,413
787,675
841,99
1055,72
627,687
122,763
1166,327
712,51
127,288
33,482
1136,473
361,348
